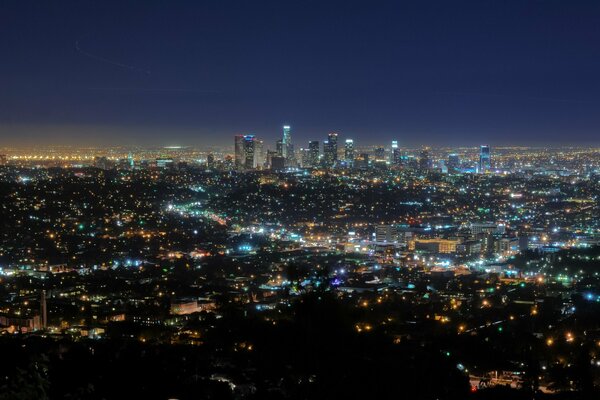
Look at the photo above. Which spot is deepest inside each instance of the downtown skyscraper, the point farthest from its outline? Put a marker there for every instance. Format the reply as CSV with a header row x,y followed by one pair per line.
x,y
485,159
330,149
349,152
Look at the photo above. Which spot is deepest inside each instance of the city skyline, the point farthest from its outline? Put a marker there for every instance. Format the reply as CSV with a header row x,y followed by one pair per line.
x,y
300,200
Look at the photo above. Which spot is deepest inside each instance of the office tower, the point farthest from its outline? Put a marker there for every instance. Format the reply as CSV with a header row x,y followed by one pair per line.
x,y
228,163
380,154
286,142
330,150
279,148
210,161
313,149
396,157
485,159
259,155
305,158
386,233
239,151
291,156
453,162
424,160
349,151
249,152
269,157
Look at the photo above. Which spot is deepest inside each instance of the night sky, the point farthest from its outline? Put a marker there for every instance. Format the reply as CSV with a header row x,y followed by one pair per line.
x,y
192,72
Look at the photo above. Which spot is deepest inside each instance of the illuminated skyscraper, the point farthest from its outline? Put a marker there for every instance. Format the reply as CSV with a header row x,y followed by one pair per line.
x,y
249,152
396,157
259,154
330,150
380,154
313,150
349,151
239,151
485,159
286,141
305,158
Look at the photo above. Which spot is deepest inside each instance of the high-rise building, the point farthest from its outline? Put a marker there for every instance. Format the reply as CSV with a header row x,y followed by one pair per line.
x,y
305,158
330,150
291,156
396,156
349,151
239,151
313,150
269,157
453,162
228,163
286,142
279,148
485,159
386,233
259,154
380,154
210,161
249,152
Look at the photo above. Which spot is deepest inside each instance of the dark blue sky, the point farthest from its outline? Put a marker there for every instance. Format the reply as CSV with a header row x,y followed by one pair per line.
x,y
191,72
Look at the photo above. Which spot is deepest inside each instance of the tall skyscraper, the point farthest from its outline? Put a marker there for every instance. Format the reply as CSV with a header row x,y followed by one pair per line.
x,y
380,154
330,149
210,161
485,159
305,158
313,150
249,152
396,156
239,152
259,154
349,151
286,141
269,157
